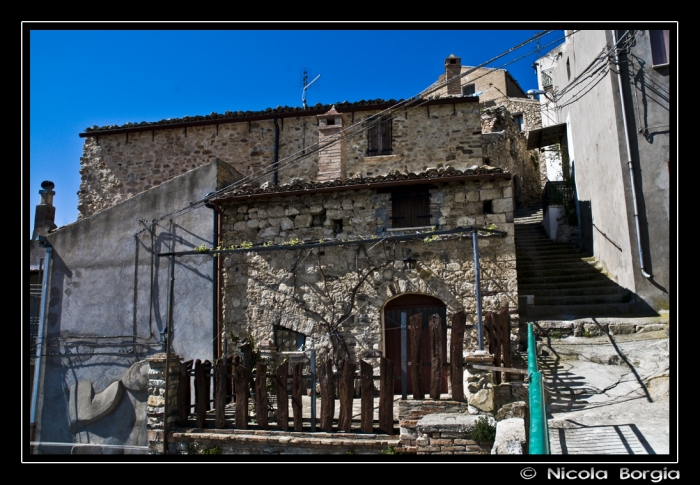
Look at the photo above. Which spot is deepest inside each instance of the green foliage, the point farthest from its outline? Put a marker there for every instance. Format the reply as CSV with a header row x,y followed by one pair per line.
x,y
555,334
483,431
587,334
246,245
201,249
389,450
430,239
193,449
350,452
293,242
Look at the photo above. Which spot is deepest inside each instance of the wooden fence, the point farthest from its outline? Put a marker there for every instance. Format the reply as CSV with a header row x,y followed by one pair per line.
x,y
233,382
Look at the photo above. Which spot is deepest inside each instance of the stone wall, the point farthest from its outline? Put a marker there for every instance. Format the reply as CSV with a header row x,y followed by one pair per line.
x,y
346,287
503,143
114,167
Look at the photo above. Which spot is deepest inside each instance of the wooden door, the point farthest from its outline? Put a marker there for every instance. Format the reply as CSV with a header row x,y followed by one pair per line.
x,y
412,305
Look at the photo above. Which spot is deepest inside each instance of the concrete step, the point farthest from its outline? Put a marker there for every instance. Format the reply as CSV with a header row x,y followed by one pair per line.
x,y
583,299
583,285
532,270
564,277
578,290
583,310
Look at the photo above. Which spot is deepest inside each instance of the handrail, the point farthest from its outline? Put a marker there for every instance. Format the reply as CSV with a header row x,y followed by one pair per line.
x,y
539,428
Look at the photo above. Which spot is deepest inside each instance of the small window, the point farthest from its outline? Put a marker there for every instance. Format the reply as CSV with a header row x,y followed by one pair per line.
x,y
488,207
468,90
288,340
659,47
410,207
379,137
518,120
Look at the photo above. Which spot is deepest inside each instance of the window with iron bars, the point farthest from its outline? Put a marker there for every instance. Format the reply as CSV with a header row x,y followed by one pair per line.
x,y
379,137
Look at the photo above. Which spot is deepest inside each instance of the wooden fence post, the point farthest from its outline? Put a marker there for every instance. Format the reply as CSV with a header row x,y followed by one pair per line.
x,y
346,391
327,396
220,394
261,407
282,397
297,385
435,327
416,324
183,393
240,374
459,319
505,339
489,325
366,397
386,395
202,383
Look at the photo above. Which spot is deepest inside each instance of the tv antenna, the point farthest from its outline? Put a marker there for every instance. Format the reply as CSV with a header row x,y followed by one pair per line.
x,y
306,86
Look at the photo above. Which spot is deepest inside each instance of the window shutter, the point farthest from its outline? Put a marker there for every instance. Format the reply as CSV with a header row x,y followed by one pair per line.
x,y
372,140
386,135
659,46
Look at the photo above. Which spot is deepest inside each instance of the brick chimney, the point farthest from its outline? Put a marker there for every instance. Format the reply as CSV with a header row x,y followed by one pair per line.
x,y
331,160
453,68
45,211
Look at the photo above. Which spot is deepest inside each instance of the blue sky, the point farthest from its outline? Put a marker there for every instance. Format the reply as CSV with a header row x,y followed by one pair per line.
x,y
81,78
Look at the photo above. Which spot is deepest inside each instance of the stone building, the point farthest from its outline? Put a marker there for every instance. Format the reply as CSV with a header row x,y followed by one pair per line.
x,y
508,115
327,223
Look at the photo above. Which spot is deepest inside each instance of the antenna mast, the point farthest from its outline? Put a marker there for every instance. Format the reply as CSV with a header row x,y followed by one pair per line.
x,y
306,86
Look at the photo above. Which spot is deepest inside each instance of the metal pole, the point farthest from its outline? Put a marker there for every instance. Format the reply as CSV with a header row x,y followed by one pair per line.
x,y
40,342
313,390
404,360
475,243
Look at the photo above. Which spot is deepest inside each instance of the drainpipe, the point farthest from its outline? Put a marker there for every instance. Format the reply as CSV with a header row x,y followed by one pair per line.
x,y
275,175
629,160
216,266
40,338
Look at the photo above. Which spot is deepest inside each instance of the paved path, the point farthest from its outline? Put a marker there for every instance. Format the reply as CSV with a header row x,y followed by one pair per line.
x,y
608,394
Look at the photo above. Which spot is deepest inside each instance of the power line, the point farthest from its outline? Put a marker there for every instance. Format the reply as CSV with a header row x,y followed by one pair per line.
x,y
421,98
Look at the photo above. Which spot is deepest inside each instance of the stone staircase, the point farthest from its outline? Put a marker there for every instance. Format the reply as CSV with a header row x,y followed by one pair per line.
x,y
557,282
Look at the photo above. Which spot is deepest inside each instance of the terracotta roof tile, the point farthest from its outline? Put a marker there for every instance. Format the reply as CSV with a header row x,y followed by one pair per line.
x,y
240,114
396,176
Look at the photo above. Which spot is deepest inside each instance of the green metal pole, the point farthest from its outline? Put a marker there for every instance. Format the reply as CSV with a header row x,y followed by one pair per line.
x,y
539,429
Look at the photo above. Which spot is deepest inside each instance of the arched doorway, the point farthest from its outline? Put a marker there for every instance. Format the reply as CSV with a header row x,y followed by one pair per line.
x,y
413,304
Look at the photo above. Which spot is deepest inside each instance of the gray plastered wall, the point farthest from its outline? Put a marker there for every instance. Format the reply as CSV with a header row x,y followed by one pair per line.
x,y
108,304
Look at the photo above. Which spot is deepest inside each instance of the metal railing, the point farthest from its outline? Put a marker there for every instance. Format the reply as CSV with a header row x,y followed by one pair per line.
x,y
539,428
558,193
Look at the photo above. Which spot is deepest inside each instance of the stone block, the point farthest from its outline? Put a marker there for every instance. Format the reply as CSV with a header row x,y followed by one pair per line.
x,y
621,328
654,327
510,437
483,400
